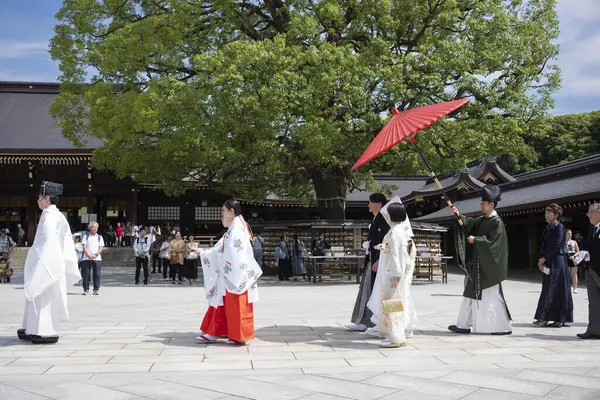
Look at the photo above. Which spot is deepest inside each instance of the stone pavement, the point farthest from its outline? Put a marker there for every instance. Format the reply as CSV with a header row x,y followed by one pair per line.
x,y
138,343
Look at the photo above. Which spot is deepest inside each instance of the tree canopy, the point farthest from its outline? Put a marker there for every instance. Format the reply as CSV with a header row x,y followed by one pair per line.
x,y
567,138
282,96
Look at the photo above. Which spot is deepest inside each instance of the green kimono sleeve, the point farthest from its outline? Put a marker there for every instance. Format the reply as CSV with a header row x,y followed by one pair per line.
x,y
460,241
491,255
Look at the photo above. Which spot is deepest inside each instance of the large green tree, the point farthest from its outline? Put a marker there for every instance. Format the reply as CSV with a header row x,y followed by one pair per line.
x,y
282,96
566,138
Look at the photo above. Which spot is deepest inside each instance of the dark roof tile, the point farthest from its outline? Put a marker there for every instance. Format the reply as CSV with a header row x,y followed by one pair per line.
x,y
26,124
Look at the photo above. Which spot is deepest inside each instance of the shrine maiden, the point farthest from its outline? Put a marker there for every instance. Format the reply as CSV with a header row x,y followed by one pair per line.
x,y
230,276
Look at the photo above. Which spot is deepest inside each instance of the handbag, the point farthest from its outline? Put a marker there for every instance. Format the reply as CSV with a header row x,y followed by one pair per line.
x,y
280,253
577,260
393,305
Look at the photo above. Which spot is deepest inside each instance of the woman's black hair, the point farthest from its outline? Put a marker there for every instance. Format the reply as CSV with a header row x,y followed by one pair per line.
x,y
397,212
233,204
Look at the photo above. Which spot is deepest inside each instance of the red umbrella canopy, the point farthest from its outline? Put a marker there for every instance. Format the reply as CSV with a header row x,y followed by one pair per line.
x,y
405,125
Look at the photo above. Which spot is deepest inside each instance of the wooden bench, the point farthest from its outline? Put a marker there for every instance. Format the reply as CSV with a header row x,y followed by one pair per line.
x,y
337,265
434,265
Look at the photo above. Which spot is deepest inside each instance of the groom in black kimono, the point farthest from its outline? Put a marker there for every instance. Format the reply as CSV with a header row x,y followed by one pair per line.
x,y
361,316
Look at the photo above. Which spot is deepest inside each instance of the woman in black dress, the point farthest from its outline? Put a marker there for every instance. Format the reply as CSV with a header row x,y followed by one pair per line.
x,y
556,302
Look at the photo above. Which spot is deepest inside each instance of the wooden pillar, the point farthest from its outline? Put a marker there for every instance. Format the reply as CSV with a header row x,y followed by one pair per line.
x,y
91,201
142,211
100,209
532,241
187,217
91,204
32,207
132,206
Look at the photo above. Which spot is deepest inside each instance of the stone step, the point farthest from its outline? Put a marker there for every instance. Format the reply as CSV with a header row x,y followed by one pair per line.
x,y
112,257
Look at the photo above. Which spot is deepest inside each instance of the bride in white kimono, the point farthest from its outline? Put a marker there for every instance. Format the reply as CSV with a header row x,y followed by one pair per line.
x,y
397,265
375,298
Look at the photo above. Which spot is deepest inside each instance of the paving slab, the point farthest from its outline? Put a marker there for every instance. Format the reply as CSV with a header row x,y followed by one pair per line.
x,y
124,344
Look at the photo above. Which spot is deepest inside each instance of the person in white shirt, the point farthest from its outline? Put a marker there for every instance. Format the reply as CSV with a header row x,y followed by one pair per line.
x,y
141,247
93,246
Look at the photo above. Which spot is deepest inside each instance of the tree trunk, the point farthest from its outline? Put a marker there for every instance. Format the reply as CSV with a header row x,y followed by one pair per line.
x,y
330,188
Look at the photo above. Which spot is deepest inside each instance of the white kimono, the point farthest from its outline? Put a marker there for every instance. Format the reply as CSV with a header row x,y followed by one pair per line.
x,y
50,267
380,279
230,265
488,315
396,261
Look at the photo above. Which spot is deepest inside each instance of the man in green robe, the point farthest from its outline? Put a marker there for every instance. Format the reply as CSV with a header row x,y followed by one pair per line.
x,y
484,308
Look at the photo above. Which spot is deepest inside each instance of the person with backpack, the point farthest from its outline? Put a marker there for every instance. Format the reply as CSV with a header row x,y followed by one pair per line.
x,y
298,256
127,233
165,256
93,246
142,251
284,259
258,245
319,248
155,252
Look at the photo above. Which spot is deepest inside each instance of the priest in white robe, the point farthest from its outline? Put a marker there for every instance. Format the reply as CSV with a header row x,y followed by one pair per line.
x,y
396,267
230,280
50,268
380,280
484,309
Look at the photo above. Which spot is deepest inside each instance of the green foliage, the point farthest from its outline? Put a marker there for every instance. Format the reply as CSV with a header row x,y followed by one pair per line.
x,y
283,96
566,138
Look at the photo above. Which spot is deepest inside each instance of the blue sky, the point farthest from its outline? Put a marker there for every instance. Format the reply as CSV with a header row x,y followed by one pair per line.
x,y
27,25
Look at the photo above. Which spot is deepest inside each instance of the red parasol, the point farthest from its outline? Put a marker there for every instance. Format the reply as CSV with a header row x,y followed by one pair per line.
x,y
404,125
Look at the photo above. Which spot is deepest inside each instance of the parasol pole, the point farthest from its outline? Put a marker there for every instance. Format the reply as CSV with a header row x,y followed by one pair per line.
x,y
439,185
433,175
437,182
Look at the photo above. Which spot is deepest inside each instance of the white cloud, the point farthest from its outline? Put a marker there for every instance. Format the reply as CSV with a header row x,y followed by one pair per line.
x,y
579,40
16,50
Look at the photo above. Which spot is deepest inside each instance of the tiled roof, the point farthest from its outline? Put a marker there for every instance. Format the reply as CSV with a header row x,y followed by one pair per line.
x,y
535,194
26,124
404,187
462,180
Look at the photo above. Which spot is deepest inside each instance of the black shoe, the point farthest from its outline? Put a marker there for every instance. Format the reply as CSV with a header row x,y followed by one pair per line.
x,y
7,280
501,333
145,283
588,336
35,339
456,329
137,282
22,334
